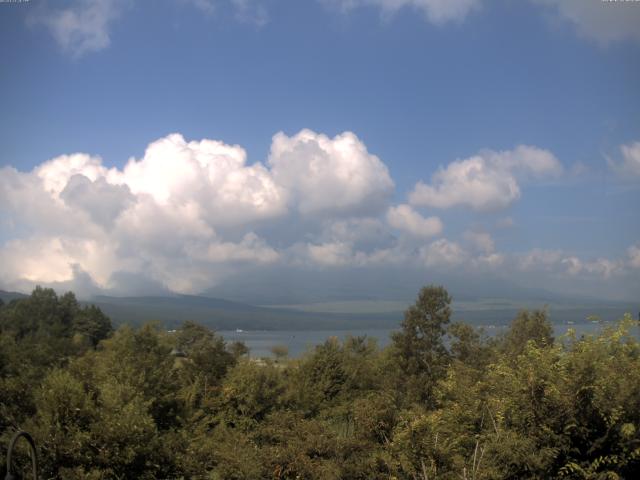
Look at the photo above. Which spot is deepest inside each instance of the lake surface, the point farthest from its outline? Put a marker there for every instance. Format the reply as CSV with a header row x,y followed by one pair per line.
x,y
299,341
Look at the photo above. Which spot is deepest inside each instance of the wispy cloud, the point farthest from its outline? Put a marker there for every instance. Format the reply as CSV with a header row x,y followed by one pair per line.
x,y
602,21
251,11
82,27
605,22
208,7
634,255
435,11
628,167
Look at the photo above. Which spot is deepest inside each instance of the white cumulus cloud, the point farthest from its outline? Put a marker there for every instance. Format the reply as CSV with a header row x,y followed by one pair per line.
x,y
405,218
187,213
331,254
328,175
443,253
487,181
250,249
562,263
209,174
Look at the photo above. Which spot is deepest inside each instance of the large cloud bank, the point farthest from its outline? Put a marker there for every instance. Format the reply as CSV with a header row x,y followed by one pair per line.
x,y
189,214
183,214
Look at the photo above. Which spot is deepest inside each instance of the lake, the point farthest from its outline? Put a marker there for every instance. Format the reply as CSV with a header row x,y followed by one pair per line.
x,y
299,341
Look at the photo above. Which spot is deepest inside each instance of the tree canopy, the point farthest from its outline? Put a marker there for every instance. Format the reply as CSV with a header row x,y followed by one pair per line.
x,y
442,401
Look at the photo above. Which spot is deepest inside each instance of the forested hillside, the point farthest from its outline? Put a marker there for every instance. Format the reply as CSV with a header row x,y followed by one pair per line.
x,y
441,402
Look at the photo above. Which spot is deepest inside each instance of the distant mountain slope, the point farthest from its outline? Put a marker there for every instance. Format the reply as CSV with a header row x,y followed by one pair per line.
x,y
6,297
172,311
289,286
225,315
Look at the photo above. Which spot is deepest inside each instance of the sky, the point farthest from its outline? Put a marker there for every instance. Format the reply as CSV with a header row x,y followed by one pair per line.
x,y
328,148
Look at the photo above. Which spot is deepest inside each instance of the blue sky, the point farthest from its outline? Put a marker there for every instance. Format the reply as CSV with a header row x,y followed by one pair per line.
x,y
520,121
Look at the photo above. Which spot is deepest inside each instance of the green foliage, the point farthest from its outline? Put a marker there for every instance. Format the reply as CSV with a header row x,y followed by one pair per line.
x,y
375,417
38,333
92,324
146,403
419,348
468,346
250,392
320,377
206,353
528,326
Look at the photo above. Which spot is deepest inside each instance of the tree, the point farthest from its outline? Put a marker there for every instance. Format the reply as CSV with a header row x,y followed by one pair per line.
x,y
45,318
206,352
147,403
37,333
92,324
528,326
321,376
468,346
250,392
418,348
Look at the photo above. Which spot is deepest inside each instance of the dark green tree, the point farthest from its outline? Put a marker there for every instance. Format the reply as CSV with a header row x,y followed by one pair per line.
x,y
321,376
92,324
206,352
468,346
528,326
419,348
